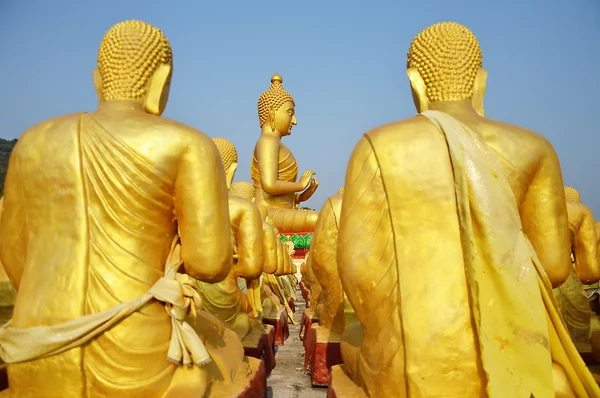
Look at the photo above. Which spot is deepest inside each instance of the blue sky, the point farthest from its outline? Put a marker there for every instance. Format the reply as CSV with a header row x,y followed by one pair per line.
x,y
343,61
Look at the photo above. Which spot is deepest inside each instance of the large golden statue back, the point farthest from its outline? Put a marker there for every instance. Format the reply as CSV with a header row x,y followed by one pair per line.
x,y
120,173
401,237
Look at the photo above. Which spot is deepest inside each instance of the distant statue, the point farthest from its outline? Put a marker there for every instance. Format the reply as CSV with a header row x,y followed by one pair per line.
x,y
571,296
101,308
225,299
334,310
274,169
474,209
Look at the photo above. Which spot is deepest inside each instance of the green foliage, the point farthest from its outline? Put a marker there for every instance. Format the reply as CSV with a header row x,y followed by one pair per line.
x,y
301,242
6,148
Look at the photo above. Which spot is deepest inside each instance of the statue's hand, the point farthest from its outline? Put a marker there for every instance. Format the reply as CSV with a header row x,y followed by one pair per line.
x,y
314,184
306,178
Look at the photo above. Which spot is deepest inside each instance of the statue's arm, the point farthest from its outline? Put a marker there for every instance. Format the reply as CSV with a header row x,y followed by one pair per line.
x,y
267,154
249,237
365,246
13,223
585,248
544,218
270,248
202,211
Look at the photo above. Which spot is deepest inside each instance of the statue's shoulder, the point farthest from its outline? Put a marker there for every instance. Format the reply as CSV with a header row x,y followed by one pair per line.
x,y
48,130
532,141
414,128
177,132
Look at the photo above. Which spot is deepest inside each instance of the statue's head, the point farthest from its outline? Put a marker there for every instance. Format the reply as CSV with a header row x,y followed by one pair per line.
x,y
229,157
276,108
445,64
572,194
243,189
341,191
135,62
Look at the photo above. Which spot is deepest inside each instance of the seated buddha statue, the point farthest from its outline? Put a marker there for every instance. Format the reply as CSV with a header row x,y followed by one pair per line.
x,y
274,261
571,296
105,303
475,209
274,169
333,310
225,299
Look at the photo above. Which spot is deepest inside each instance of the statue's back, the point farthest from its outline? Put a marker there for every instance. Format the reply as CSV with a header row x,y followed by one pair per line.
x,y
101,234
404,220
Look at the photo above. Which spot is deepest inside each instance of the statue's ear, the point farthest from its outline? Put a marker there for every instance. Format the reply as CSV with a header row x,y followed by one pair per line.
x,y
230,173
419,90
158,88
479,87
272,118
98,86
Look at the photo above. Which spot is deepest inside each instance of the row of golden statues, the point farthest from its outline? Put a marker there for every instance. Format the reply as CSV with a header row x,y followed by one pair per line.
x,y
141,268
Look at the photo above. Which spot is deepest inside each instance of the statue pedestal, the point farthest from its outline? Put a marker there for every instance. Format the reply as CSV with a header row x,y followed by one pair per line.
x,y
279,320
322,351
249,384
258,344
305,293
340,385
308,318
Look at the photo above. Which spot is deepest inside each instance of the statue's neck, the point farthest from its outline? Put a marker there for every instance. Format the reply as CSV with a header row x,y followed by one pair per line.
x,y
122,105
266,130
464,107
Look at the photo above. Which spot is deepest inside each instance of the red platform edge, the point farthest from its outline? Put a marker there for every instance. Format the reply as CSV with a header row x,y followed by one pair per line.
x,y
282,330
258,385
263,351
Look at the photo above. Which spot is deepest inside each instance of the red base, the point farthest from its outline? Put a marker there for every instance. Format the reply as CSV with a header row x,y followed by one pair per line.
x,y
282,330
300,253
305,293
260,346
292,305
308,318
258,385
322,351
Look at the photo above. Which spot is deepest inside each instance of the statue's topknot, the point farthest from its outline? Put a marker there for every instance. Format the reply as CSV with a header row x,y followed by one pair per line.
x,y
448,57
129,54
274,97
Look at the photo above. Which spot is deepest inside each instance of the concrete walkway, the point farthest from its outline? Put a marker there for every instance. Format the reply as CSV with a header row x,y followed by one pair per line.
x,y
288,379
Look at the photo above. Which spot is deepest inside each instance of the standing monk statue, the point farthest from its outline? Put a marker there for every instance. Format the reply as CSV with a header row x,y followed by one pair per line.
x,y
101,309
274,169
473,207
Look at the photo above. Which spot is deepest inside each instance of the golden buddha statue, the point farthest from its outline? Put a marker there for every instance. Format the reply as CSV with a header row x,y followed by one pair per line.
x,y
475,209
312,283
243,189
571,296
334,310
129,181
8,294
274,169
225,299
